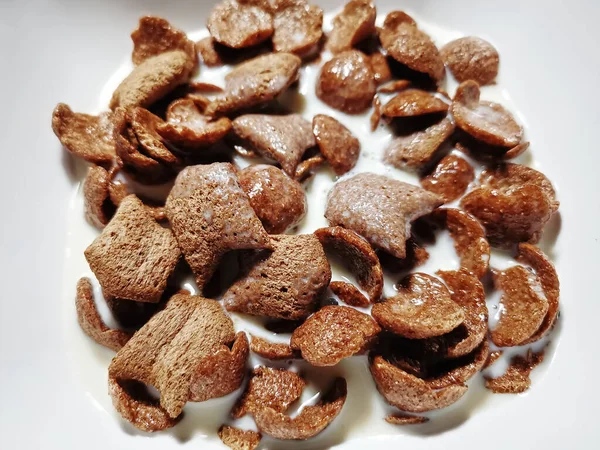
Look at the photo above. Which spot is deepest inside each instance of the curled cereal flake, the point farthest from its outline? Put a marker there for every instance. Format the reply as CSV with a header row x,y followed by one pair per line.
x,y
416,255
238,25
222,372
349,294
134,256
394,86
188,128
489,153
376,116
355,23
492,358
459,370
144,125
414,102
346,82
523,307
357,255
516,379
237,439
546,273
471,58
257,81
308,166
201,86
270,388
334,333
208,53
423,308
406,419
152,80
416,151
298,28
311,420
210,215
271,350
408,392
336,142
379,208
380,67
450,178
97,204
278,200
127,145
89,137
280,138
280,286
90,321
486,121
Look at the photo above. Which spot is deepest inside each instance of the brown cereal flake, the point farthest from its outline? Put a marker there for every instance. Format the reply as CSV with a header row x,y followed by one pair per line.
x,y
298,28
144,125
271,350
239,25
202,86
486,153
353,24
208,53
516,378
376,116
471,58
394,86
460,370
406,419
380,67
414,102
450,178
237,439
308,166
127,144
492,358
97,205
349,294
336,142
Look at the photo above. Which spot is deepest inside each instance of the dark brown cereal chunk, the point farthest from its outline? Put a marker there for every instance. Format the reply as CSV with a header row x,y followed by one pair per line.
x,y
346,82
406,419
208,53
486,121
471,58
356,253
380,67
416,151
450,178
349,294
237,439
284,284
308,166
90,321
414,102
423,308
97,205
524,307
379,208
334,333
134,256
210,215
298,28
278,200
283,139
460,370
86,136
355,23
271,350
238,25
337,144
394,86
376,116
516,379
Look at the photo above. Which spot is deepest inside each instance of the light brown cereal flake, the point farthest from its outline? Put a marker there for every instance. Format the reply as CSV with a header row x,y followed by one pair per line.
x,y
414,102
450,178
380,67
237,439
336,142
271,350
516,379
298,28
492,358
394,86
239,25
208,53
349,294
353,24
471,58
97,205
144,125
406,419
376,116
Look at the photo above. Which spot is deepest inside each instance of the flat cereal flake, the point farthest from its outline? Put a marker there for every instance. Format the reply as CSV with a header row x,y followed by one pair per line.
x,y
352,25
271,350
406,419
239,25
516,379
336,142
298,28
349,294
450,178
414,102
471,58
237,439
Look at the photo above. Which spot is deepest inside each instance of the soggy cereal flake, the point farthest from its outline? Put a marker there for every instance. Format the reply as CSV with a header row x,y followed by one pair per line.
x,y
285,283
523,307
90,321
352,25
486,121
460,370
209,55
210,215
417,150
406,419
394,86
471,58
237,439
349,294
423,308
238,25
308,166
283,139
516,379
278,200
380,67
298,28
450,178
97,205
376,116
334,333
271,350
133,256
144,126
414,102
379,208
346,82
336,142
86,136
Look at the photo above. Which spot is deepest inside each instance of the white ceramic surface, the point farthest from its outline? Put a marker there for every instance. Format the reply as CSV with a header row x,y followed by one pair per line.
x,y
67,50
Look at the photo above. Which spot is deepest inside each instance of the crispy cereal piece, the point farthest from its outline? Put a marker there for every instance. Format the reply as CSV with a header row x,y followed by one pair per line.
x,y
89,137
349,294
471,58
414,102
460,370
308,166
357,255
144,126
269,388
346,82
237,439
376,116
392,21
311,420
271,350
278,200
516,379
406,419
408,392
423,308
90,321
485,121
286,283
152,80
379,208
210,215
450,178
416,151
524,307
209,55
394,86
97,205
283,139
239,25
334,333
298,28
336,142
380,67
134,256
352,25
257,81
492,358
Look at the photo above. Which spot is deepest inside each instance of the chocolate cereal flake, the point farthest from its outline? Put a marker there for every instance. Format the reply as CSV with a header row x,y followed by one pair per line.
x,y
376,116
239,25
237,439
144,125
208,53
298,28
97,205
394,86
271,350
349,294
471,58
450,178
516,379
308,166
414,102
406,419
460,370
381,68
353,24
337,144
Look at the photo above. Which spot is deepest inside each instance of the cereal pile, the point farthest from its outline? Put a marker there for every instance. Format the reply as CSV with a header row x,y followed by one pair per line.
x,y
425,342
